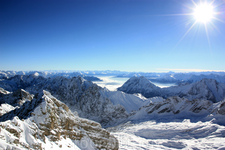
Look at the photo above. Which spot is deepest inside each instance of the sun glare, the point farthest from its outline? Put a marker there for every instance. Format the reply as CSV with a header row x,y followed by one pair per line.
x,y
203,13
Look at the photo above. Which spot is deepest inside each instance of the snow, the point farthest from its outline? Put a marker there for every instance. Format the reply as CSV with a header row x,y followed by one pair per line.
x,y
129,101
171,135
5,108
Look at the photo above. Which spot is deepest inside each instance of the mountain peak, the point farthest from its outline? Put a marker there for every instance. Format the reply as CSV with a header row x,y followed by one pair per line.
x,y
139,85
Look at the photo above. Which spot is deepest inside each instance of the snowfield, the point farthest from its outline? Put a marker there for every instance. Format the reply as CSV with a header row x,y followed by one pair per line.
x,y
170,135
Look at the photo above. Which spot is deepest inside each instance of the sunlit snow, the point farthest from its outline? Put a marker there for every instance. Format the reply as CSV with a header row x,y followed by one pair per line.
x,y
170,135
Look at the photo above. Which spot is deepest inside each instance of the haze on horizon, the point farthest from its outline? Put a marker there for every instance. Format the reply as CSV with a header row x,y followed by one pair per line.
x,y
127,35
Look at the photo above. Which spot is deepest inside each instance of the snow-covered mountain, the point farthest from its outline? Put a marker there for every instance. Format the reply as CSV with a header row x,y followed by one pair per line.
x,y
47,74
162,77
196,78
179,108
80,95
187,77
43,122
208,89
111,107
31,117
140,85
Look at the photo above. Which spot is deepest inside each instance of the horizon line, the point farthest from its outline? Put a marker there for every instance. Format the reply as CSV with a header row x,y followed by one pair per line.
x,y
163,70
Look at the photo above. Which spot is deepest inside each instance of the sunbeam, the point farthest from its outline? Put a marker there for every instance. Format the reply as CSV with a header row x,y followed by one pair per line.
x,y
207,34
219,20
216,28
194,3
186,33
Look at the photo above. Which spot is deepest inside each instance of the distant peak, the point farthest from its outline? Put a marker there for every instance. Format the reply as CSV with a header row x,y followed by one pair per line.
x,y
36,74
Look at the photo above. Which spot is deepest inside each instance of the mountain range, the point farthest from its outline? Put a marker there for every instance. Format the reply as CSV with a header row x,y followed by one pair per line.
x,y
207,89
47,74
52,110
162,77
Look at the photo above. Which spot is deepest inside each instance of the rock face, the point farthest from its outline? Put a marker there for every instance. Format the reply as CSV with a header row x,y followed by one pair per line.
x,y
208,89
43,122
80,95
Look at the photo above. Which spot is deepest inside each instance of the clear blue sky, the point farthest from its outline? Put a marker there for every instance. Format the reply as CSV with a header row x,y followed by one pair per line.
x,y
128,35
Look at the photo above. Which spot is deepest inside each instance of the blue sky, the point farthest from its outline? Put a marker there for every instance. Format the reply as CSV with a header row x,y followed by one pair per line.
x,y
127,35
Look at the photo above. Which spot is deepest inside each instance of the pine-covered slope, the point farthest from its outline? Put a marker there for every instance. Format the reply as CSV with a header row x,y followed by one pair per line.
x,y
43,122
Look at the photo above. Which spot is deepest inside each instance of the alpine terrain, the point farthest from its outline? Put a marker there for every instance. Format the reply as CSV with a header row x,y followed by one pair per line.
x,y
60,112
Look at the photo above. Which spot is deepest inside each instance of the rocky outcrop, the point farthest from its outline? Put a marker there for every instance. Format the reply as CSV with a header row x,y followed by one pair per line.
x,y
44,121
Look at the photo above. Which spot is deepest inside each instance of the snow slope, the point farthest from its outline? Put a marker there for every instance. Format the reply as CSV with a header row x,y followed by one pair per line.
x,y
171,135
129,101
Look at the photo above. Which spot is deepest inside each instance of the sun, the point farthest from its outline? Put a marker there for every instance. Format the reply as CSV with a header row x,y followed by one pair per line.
x,y
203,13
